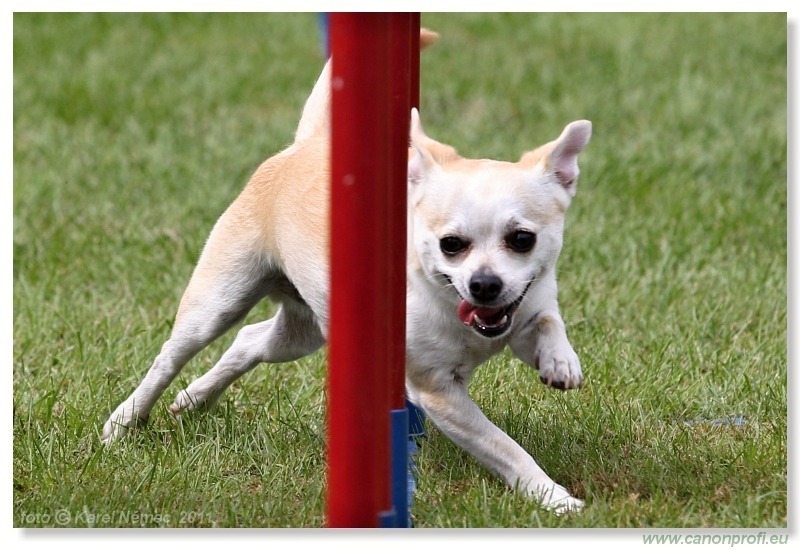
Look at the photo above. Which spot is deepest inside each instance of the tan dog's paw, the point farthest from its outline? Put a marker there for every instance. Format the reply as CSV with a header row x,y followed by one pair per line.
x,y
120,421
186,402
566,505
558,364
554,497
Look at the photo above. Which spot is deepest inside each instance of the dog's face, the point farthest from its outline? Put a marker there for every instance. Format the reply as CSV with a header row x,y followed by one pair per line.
x,y
486,231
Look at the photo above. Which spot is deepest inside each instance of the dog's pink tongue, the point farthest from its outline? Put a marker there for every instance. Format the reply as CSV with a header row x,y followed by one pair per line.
x,y
467,312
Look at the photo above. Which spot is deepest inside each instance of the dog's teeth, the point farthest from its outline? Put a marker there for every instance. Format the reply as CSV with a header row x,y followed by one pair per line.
x,y
483,323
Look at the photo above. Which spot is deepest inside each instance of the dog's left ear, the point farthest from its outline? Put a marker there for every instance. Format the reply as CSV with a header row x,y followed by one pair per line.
x,y
560,157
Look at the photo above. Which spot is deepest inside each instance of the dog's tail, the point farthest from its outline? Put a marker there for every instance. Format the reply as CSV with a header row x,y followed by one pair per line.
x,y
315,119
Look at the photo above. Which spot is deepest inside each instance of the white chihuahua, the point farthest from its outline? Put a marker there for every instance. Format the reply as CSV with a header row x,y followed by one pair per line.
x,y
484,239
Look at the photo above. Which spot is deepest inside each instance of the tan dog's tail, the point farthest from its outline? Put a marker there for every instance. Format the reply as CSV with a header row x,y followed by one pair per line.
x,y
315,119
427,37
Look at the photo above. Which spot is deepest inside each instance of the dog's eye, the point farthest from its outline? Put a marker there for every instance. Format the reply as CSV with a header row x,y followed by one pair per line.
x,y
521,241
453,245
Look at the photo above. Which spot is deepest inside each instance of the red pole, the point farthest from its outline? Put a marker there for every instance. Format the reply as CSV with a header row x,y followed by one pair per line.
x,y
358,393
404,46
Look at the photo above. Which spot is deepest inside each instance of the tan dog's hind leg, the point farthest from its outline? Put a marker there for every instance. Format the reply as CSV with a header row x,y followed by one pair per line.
x,y
225,285
293,333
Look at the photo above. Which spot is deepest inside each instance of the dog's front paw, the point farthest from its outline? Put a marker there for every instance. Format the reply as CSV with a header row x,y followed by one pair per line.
x,y
564,505
555,498
558,364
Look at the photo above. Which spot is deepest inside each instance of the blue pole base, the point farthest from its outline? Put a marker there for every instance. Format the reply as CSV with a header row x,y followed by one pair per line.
x,y
401,496
407,426
388,519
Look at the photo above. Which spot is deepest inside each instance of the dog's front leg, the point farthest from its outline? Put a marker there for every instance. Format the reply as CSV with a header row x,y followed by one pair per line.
x,y
543,344
454,413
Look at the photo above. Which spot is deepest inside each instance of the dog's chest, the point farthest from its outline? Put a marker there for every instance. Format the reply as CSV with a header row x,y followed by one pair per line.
x,y
444,356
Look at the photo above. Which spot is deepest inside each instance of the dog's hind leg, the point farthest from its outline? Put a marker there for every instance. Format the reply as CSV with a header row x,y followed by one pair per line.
x,y
220,293
291,334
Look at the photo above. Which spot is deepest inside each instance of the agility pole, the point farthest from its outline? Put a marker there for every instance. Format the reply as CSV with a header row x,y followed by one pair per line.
x,y
375,72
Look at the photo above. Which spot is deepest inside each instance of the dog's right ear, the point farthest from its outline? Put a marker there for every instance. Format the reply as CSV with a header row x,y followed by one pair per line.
x,y
421,161
427,37
426,154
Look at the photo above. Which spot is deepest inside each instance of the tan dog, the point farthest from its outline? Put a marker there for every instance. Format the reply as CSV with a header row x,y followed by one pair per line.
x,y
484,239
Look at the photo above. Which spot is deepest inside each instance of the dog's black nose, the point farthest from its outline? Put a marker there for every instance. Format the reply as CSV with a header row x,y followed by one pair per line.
x,y
485,286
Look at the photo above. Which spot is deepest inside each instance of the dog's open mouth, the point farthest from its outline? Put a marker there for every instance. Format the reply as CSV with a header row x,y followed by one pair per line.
x,y
487,321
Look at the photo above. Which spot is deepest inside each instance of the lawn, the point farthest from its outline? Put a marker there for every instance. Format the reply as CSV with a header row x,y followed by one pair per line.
x,y
132,133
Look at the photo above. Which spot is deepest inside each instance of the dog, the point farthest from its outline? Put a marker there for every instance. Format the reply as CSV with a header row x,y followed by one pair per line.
x,y
484,238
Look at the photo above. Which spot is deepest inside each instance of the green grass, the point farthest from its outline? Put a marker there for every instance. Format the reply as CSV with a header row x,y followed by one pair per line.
x,y
132,133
